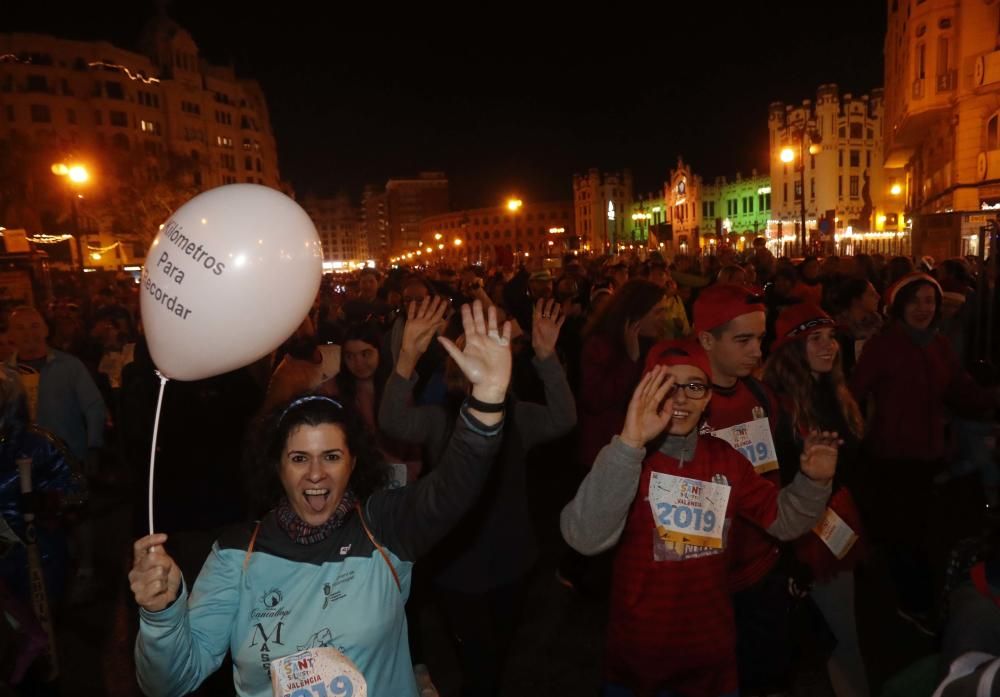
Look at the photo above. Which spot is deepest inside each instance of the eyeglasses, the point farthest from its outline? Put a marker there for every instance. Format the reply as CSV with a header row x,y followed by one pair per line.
x,y
693,390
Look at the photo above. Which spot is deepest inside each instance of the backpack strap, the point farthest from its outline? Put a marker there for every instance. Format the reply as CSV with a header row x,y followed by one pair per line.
x,y
361,517
253,540
759,393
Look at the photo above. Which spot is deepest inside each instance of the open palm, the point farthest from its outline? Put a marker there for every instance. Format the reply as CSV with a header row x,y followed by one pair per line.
x,y
485,361
645,418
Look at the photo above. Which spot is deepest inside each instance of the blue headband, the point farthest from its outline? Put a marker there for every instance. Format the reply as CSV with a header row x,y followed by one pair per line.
x,y
305,400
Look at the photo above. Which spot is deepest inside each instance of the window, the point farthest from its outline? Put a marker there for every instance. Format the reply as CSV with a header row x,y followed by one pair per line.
x,y
854,186
224,117
812,188
97,118
40,114
991,132
37,83
114,90
152,127
785,196
840,158
223,141
812,162
840,186
841,132
868,158
767,202
65,88
71,117
798,190
855,158
244,123
760,202
942,56
921,61
258,164
118,118
247,162
856,130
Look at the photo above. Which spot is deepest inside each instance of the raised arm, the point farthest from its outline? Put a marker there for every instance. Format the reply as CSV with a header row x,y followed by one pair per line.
x,y
594,520
541,422
410,520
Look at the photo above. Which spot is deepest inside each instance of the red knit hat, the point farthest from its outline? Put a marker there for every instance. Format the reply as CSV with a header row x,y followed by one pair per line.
x,y
722,302
798,322
679,352
908,279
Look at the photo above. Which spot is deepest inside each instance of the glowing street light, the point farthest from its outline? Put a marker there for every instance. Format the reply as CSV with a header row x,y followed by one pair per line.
x,y
896,190
787,155
458,242
77,175
514,204
437,235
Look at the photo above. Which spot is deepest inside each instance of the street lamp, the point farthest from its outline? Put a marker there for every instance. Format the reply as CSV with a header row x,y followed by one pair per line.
x,y
896,190
514,204
802,133
77,175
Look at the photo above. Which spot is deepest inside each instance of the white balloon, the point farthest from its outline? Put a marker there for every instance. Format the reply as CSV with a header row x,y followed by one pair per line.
x,y
228,278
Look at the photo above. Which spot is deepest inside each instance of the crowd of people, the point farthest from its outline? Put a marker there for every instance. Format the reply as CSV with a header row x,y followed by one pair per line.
x,y
727,437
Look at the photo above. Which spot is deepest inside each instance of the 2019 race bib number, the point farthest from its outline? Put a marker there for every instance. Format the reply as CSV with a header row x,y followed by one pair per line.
x,y
688,512
319,672
754,442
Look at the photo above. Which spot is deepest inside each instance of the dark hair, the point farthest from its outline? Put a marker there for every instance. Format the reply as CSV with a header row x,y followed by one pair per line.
x,y
369,333
631,302
269,437
897,268
906,294
851,290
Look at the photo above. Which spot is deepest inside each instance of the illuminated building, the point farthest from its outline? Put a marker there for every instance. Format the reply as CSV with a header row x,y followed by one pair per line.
x,y
600,202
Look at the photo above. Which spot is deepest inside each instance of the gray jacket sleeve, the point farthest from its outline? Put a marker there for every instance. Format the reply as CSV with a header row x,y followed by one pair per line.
x,y
398,417
594,520
800,506
541,422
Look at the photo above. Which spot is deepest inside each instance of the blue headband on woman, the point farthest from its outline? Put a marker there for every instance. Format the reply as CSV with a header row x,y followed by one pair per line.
x,y
305,400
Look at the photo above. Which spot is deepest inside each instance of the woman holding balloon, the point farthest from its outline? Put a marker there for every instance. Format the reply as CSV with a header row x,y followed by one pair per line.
x,y
323,577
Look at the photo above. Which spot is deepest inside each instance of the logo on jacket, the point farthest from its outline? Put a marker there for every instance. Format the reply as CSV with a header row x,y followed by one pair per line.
x,y
268,606
331,595
322,638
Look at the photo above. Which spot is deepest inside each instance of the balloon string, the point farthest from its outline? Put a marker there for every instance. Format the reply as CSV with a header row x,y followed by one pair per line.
x,y
152,452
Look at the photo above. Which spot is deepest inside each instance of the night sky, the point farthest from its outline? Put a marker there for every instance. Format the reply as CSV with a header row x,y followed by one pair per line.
x,y
515,102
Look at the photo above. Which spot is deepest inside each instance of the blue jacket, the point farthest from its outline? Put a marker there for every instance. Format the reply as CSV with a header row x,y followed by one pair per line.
x,y
69,403
339,592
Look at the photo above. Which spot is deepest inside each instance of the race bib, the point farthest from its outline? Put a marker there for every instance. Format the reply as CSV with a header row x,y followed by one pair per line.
x,y
835,533
320,672
754,442
688,512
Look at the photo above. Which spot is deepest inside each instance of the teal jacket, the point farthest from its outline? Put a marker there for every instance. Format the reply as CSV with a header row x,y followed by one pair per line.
x,y
340,592
69,403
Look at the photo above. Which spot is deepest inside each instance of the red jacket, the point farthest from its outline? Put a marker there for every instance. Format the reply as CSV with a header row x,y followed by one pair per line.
x,y
910,386
607,378
671,622
755,552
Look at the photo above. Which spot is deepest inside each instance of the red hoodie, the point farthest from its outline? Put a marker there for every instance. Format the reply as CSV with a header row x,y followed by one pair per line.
x,y
754,551
671,622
